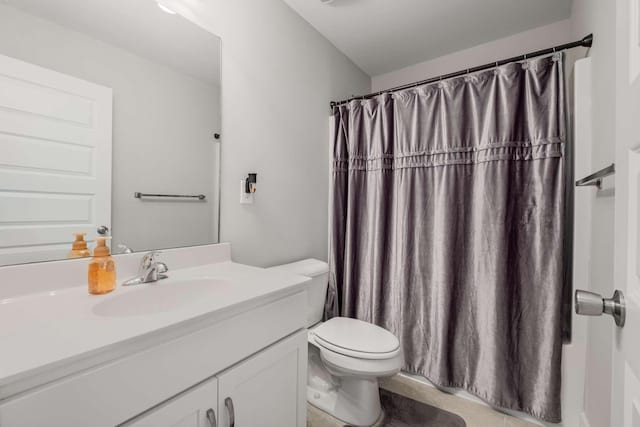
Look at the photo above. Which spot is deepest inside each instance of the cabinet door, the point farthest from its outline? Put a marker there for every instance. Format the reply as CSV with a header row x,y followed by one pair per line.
x,y
268,389
196,407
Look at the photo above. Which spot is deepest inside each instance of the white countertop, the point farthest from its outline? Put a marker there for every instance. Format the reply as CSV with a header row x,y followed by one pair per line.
x,y
45,331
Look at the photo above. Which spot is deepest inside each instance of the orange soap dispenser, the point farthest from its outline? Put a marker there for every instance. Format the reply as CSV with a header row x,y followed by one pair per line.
x,y
79,247
102,269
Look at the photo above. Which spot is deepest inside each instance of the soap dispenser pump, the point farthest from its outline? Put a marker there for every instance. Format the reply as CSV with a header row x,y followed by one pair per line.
x,y
79,247
102,269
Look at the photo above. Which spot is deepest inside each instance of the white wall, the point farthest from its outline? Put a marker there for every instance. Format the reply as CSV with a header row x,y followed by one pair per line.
x,y
278,76
598,17
528,41
163,122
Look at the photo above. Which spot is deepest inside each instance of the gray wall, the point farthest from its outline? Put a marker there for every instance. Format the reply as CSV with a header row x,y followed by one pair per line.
x,y
278,76
163,124
517,44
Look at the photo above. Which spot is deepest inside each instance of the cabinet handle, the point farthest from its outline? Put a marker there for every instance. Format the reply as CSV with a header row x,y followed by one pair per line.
x,y
228,403
211,416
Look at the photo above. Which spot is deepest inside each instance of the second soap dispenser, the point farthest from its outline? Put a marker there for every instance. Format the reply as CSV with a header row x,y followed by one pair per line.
x,y
102,269
79,247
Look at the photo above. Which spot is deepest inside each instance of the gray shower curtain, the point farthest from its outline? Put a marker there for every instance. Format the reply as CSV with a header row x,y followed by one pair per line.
x,y
447,229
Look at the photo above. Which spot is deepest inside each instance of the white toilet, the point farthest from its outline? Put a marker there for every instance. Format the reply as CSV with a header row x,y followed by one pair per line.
x,y
346,356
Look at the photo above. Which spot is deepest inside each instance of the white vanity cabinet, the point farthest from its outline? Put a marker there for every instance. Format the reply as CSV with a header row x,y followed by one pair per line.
x,y
252,357
196,407
266,390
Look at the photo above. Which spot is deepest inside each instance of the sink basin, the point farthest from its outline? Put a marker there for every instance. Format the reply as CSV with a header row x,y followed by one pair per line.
x,y
161,296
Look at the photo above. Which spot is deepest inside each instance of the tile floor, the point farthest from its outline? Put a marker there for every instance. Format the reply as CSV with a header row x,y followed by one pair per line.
x,y
474,414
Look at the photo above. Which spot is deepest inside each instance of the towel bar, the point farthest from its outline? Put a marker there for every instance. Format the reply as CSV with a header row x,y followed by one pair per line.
x,y
595,179
179,196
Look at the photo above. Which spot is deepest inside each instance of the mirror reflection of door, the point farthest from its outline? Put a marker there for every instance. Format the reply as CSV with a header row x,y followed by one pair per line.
x,y
55,161
100,100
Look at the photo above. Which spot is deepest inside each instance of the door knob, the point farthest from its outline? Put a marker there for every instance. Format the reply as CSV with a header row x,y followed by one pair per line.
x,y
592,304
103,230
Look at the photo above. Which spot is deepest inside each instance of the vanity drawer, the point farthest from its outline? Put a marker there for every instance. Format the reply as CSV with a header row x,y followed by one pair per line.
x,y
118,390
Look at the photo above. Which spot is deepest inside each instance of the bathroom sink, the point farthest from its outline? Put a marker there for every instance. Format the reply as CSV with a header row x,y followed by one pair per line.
x,y
158,297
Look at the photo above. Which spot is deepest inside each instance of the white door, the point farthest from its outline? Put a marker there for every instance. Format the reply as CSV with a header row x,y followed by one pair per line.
x,y
55,161
194,408
626,358
268,389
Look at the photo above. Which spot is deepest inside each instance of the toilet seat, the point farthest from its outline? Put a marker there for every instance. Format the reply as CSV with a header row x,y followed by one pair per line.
x,y
355,353
357,339
341,365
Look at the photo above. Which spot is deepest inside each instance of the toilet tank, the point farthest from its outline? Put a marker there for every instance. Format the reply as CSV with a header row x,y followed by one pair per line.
x,y
318,271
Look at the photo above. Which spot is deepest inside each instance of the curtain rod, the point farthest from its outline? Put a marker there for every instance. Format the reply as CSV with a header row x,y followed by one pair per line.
x,y
587,41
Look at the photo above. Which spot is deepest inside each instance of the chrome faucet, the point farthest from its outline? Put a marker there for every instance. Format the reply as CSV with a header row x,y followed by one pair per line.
x,y
150,270
124,249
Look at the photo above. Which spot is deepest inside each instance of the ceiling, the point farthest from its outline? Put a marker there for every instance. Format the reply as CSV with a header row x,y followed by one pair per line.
x,y
385,35
138,26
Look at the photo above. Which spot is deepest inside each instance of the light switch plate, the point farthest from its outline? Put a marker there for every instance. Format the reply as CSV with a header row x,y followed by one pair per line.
x,y
245,198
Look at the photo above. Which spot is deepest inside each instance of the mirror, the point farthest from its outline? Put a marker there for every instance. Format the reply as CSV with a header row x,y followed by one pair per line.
x,y
109,124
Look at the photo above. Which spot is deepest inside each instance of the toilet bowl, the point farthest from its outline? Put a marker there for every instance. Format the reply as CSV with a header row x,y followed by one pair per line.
x,y
355,354
346,356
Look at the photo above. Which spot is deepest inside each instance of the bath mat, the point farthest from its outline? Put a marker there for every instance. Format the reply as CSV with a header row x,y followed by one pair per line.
x,y
400,411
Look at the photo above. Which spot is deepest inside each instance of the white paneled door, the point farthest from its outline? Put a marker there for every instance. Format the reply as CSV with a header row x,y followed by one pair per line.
x,y
626,369
55,161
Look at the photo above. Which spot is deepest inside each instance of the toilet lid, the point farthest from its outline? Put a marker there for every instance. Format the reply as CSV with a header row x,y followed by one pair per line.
x,y
357,336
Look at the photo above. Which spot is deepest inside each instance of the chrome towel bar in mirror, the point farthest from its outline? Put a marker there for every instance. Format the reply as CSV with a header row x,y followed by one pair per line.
x,y
179,196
